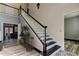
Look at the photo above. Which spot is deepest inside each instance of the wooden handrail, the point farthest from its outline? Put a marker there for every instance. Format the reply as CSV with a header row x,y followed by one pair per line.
x,y
45,27
34,19
9,6
32,29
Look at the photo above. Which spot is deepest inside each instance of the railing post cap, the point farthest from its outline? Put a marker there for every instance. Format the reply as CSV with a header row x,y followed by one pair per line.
x,y
20,6
45,26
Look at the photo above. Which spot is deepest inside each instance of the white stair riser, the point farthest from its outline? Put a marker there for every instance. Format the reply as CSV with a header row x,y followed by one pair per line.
x,y
51,46
42,35
42,38
49,41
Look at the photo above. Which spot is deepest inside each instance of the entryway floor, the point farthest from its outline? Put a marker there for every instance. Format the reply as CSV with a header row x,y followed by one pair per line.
x,y
72,46
9,43
18,50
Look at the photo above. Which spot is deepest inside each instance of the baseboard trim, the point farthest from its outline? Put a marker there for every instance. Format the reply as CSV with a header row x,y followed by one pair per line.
x,y
37,50
72,40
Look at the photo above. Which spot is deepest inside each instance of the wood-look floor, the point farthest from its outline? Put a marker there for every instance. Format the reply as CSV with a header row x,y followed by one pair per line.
x,y
18,50
72,46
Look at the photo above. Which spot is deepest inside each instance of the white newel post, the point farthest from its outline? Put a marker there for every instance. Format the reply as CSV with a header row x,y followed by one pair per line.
x,y
19,31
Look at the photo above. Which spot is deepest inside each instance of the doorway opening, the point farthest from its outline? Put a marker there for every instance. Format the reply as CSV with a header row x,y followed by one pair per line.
x,y
10,34
71,33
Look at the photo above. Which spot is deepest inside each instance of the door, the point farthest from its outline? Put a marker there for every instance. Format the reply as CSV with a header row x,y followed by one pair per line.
x,y
10,34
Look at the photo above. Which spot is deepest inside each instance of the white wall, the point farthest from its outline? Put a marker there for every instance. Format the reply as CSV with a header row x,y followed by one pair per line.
x,y
52,15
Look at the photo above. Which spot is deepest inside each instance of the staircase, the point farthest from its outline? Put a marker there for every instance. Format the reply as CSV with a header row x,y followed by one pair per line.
x,y
50,47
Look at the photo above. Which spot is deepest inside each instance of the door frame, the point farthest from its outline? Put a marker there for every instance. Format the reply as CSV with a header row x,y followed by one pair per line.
x,y
19,28
6,25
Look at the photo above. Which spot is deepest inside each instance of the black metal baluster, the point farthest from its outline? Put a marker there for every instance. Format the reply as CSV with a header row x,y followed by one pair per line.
x,y
44,45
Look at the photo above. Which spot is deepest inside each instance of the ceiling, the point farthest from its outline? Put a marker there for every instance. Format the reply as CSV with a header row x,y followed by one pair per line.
x,y
72,14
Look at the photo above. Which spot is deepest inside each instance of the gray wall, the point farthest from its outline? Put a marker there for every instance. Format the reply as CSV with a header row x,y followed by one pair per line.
x,y
9,15
7,18
72,28
9,10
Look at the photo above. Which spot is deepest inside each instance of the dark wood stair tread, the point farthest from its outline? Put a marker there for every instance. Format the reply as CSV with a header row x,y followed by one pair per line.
x,y
49,39
52,50
50,43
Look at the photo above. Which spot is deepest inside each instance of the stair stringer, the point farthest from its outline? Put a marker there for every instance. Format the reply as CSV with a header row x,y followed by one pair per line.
x,y
34,41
